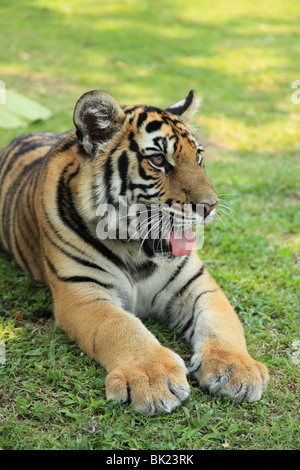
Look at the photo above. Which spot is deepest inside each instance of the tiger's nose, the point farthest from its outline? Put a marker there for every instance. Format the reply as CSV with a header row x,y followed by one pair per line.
x,y
208,208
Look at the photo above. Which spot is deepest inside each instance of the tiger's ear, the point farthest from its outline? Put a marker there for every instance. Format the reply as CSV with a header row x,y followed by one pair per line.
x,y
186,108
97,117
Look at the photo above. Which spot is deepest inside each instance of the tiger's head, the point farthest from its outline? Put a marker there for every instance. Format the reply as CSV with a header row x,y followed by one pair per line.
x,y
148,158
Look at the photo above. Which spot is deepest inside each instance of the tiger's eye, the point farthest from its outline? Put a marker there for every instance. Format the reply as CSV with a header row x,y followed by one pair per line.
x,y
157,159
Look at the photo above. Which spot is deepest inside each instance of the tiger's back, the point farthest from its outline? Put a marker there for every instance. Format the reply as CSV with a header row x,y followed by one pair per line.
x,y
21,164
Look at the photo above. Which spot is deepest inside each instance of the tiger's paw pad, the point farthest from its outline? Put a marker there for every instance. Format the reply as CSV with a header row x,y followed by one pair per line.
x,y
230,374
157,384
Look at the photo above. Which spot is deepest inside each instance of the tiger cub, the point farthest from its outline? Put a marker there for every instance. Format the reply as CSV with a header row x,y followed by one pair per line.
x,y
104,215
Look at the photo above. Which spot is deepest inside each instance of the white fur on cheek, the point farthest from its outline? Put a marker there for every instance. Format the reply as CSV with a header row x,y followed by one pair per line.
x,y
210,217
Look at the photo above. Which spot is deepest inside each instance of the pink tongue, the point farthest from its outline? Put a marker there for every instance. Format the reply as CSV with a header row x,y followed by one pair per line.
x,y
184,243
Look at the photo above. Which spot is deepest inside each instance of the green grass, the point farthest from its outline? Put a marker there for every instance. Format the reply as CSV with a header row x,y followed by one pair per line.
x,y
242,60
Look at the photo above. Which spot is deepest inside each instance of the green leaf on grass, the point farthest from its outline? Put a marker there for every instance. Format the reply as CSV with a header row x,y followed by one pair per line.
x,y
20,111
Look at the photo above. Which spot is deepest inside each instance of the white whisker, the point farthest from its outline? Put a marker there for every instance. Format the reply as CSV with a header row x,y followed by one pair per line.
x,y
226,207
220,218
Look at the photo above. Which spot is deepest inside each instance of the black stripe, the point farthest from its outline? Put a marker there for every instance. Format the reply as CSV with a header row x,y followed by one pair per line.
x,y
172,278
153,126
129,109
147,196
76,278
142,271
72,175
5,151
179,110
133,186
152,109
143,174
142,117
161,142
28,236
108,171
31,204
82,261
190,321
182,291
190,281
24,262
133,146
67,144
169,202
11,146
58,235
86,279
14,158
123,171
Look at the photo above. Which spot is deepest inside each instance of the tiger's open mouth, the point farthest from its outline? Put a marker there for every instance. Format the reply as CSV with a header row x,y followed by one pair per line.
x,y
178,243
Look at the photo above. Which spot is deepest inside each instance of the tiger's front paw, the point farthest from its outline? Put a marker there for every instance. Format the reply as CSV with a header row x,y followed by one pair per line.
x,y
156,383
229,374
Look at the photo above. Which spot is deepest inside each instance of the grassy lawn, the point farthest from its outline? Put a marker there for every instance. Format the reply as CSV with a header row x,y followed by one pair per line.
x,y
242,60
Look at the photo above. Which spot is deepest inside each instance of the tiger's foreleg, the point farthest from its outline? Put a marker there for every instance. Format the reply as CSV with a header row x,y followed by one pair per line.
x,y
139,369
221,361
